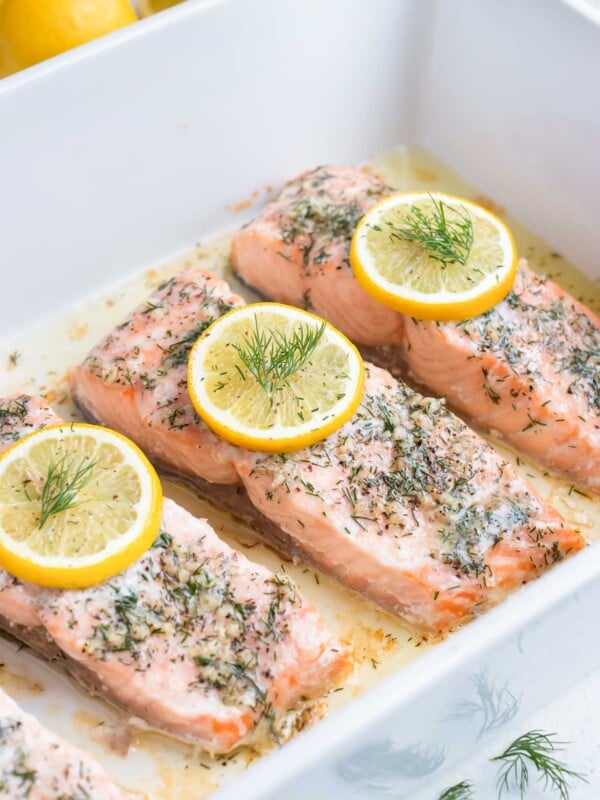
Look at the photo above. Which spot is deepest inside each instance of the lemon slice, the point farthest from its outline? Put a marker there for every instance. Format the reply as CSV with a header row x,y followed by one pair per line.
x,y
270,377
433,256
78,504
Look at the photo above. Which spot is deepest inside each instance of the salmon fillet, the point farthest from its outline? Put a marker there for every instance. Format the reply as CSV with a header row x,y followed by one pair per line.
x,y
297,251
192,638
526,371
141,369
37,765
410,507
403,504
20,415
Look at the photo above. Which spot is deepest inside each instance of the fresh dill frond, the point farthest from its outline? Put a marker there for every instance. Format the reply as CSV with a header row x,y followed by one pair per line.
x,y
64,481
534,749
445,232
460,791
271,356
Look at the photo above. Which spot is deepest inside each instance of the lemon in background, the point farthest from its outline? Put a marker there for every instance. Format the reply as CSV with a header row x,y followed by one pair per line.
x,y
33,30
148,7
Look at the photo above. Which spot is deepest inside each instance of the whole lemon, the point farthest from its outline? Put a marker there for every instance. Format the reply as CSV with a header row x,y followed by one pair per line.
x,y
147,7
32,30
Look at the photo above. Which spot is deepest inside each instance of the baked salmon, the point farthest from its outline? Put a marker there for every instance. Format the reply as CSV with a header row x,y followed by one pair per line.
x,y
35,764
409,506
136,378
297,251
193,638
527,371
403,504
20,415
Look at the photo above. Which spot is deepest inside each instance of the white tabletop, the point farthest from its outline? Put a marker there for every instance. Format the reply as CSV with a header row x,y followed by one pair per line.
x,y
575,717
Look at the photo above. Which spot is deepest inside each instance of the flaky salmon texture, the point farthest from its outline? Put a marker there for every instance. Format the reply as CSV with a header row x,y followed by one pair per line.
x,y
35,764
403,504
527,371
193,639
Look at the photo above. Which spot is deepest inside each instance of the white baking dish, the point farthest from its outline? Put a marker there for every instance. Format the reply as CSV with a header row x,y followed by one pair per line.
x,y
128,150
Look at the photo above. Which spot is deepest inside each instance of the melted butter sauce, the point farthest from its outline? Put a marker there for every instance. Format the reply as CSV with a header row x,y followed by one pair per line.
x,y
39,363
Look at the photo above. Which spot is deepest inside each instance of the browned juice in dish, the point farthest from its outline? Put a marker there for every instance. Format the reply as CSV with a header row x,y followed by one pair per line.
x,y
38,363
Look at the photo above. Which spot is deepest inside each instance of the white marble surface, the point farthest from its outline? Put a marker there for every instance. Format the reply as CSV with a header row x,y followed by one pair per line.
x,y
575,717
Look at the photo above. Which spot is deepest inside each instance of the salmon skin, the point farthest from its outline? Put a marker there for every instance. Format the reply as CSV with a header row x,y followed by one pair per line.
x,y
35,763
527,371
193,638
403,504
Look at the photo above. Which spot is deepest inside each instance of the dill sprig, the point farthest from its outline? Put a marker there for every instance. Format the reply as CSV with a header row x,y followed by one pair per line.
x,y
460,791
448,239
64,481
271,356
534,749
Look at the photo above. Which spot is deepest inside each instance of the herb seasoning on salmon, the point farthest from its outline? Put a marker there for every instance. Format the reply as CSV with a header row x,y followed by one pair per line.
x,y
35,763
411,508
192,638
403,504
526,370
